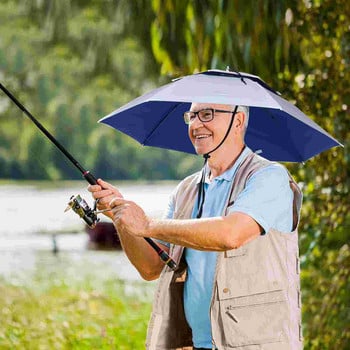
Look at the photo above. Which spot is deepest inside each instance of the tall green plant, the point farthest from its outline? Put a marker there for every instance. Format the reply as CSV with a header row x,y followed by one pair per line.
x,y
250,36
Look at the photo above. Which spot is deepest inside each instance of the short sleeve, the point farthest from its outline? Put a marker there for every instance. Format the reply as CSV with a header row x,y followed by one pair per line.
x,y
168,214
268,199
169,211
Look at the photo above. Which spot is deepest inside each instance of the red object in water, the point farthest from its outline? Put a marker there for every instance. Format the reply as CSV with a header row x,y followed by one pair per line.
x,y
103,236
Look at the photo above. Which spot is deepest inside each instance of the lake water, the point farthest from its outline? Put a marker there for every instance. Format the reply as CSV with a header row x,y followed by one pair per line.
x,y
32,213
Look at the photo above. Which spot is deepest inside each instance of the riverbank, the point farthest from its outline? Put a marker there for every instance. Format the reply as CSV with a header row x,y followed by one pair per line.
x,y
66,306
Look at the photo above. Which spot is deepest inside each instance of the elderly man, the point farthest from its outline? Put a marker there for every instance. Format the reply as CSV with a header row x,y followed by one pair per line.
x,y
232,231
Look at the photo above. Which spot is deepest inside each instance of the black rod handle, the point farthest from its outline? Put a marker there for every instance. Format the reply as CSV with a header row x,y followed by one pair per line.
x,y
90,178
164,256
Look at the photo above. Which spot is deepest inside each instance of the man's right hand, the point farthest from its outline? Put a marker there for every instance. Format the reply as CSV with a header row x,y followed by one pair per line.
x,y
139,252
104,192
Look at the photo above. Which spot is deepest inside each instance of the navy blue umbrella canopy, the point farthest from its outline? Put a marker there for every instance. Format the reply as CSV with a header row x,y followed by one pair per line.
x,y
277,128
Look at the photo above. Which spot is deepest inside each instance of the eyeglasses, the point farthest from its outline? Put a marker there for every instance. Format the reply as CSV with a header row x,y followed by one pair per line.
x,y
204,115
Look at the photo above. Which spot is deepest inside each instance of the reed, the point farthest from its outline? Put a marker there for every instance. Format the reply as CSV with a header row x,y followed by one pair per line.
x,y
53,313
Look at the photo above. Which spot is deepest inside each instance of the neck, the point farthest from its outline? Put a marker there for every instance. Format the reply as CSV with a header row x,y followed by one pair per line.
x,y
219,162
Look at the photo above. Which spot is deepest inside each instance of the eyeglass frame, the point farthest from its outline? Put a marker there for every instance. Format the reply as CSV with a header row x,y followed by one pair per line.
x,y
196,114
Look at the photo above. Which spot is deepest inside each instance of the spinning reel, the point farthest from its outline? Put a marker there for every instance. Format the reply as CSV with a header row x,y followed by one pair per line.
x,y
80,207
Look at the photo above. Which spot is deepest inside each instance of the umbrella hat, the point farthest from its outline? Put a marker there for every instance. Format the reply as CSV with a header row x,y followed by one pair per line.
x,y
277,128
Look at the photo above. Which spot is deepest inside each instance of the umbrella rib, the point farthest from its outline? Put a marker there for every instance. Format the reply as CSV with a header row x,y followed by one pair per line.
x,y
149,136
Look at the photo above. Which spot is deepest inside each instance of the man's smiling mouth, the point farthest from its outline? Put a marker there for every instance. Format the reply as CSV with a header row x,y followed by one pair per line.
x,y
202,136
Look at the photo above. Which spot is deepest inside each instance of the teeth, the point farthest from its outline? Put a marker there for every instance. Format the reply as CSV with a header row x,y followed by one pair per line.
x,y
202,136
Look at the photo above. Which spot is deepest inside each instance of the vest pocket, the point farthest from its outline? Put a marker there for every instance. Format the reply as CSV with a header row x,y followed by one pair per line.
x,y
236,252
255,319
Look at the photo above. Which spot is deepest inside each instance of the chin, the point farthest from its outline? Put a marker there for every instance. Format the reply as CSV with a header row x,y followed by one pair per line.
x,y
201,151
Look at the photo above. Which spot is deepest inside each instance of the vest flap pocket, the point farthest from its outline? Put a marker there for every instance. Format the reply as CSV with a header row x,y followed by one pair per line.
x,y
249,291
256,299
255,319
236,252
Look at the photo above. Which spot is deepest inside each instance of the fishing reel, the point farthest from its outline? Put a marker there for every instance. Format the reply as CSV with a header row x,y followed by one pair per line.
x,y
80,206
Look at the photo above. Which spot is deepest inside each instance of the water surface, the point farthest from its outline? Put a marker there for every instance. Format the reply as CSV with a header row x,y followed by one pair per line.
x,y
32,216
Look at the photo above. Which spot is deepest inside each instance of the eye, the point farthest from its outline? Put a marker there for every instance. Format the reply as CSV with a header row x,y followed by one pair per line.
x,y
206,114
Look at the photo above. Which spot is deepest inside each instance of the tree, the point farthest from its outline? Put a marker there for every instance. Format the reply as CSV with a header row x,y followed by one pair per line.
x,y
71,63
196,35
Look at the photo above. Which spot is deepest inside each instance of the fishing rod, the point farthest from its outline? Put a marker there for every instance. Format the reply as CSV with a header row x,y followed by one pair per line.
x,y
77,203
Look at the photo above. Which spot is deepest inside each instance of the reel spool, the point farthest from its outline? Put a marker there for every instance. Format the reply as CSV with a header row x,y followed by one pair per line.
x,y
80,207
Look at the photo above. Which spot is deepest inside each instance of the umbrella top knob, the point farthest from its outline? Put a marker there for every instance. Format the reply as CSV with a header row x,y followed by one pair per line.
x,y
239,74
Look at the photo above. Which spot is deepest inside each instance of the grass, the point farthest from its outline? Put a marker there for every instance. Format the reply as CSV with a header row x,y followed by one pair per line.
x,y
52,313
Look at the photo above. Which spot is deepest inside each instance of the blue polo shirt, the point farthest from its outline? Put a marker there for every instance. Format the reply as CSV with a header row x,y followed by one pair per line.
x,y
267,198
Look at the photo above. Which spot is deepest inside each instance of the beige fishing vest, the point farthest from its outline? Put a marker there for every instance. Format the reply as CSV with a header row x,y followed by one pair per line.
x,y
256,303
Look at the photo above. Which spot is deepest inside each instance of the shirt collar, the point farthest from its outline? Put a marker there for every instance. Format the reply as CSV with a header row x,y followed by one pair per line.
x,y
229,174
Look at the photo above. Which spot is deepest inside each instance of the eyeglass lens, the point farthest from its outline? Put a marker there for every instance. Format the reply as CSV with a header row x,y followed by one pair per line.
x,y
204,115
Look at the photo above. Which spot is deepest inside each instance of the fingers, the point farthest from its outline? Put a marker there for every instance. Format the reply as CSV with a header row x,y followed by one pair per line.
x,y
117,213
103,199
94,188
105,185
128,217
117,201
101,185
117,205
104,196
103,191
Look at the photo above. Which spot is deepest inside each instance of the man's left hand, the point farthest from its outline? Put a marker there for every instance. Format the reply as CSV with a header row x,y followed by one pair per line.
x,y
129,218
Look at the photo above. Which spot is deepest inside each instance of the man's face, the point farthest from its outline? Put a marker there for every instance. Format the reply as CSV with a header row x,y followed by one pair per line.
x,y
206,136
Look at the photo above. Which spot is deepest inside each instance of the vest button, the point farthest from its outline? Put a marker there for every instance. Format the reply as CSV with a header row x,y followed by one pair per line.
x,y
225,290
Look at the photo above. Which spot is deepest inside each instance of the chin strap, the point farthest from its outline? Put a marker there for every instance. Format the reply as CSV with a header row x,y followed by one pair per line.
x,y
201,190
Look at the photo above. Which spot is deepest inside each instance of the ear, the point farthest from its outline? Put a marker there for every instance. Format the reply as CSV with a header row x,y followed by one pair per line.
x,y
239,120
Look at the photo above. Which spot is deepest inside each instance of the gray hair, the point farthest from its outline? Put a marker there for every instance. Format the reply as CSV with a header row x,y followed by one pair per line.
x,y
245,110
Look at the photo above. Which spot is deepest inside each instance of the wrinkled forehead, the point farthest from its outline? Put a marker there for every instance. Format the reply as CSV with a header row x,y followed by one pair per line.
x,y
196,106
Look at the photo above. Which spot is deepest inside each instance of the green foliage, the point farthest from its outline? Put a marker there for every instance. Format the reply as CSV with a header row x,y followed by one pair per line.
x,y
60,315
246,35
322,90
71,63
325,291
